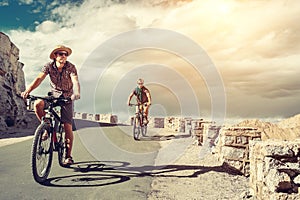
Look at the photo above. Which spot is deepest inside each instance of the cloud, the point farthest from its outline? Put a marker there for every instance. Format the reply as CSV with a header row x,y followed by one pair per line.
x,y
255,45
4,3
26,2
47,27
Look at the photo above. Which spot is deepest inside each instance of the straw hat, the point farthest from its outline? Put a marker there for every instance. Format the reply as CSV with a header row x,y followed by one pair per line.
x,y
60,48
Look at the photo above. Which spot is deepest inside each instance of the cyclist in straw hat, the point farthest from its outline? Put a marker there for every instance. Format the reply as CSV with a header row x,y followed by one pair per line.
x,y
64,82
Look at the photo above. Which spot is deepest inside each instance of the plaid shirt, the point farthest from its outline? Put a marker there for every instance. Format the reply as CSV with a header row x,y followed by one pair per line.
x,y
60,82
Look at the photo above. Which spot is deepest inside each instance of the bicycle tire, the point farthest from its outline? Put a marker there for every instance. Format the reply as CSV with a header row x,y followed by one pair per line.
x,y
136,128
61,148
41,153
144,130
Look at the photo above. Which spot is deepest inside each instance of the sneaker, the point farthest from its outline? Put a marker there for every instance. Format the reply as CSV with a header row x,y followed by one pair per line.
x,y
146,121
69,161
45,135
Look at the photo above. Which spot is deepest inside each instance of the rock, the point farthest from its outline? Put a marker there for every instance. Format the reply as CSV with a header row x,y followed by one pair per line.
x,y
274,168
12,83
234,153
3,125
281,151
246,195
297,180
278,181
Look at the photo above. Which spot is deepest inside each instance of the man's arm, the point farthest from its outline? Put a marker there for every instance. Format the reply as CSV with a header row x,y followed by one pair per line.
x,y
36,82
76,87
129,98
149,97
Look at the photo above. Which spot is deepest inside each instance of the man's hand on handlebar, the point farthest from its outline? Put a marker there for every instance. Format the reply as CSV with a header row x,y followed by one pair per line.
x,y
75,96
25,94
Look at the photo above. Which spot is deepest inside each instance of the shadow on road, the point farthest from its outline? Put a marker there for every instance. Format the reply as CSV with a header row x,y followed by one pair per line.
x,y
80,124
102,173
163,137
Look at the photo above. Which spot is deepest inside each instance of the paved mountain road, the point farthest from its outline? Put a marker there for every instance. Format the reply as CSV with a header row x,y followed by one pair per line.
x,y
114,166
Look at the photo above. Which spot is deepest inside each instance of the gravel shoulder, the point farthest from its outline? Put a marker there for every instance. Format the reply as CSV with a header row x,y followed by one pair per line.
x,y
192,178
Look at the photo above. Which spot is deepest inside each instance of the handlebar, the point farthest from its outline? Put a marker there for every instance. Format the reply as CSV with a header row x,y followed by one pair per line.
x,y
137,104
49,98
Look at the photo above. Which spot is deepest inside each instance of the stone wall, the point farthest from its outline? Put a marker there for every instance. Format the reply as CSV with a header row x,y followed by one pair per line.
x,y
159,122
188,125
233,147
108,118
12,83
105,118
275,170
200,129
176,124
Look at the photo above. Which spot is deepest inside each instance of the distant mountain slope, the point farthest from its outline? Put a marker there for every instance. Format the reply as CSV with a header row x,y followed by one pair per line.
x,y
291,122
288,129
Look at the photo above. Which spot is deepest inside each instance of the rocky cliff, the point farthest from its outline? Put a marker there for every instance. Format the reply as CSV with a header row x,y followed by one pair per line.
x,y
12,82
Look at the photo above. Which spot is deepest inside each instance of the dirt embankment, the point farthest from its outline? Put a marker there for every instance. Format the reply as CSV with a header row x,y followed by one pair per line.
x,y
287,129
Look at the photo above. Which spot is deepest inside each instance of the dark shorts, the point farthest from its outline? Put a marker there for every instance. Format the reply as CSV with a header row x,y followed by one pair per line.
x,y
66,112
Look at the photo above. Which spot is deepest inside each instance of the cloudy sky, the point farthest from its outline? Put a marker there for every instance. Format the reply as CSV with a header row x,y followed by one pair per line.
x,y
248,49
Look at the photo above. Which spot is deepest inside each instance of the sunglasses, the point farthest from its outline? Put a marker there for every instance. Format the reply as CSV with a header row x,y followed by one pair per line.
x,y
62,53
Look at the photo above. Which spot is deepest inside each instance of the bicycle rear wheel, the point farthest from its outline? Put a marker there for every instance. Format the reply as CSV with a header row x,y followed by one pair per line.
x,y
136,128
61,147
144,130
41,153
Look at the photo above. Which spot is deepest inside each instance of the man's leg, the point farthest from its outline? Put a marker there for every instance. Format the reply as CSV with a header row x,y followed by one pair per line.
x,y
146,111
137,109
39,106
67,118
69,138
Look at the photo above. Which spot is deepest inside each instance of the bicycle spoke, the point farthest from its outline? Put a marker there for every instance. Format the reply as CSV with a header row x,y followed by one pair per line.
x,y
43,156
62,148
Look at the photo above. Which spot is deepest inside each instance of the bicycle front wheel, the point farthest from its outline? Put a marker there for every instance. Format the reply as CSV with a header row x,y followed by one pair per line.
x,y
136,128
41,153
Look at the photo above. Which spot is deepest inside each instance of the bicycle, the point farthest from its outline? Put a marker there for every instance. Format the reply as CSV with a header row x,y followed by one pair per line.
x,y
138,122
49,136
